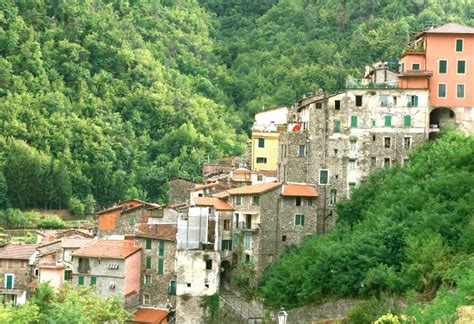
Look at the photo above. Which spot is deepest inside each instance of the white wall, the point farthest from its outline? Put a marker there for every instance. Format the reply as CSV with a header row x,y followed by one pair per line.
x,y
191,269
278,116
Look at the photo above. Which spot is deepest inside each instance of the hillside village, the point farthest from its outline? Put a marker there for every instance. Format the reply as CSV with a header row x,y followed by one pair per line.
x,y
302,160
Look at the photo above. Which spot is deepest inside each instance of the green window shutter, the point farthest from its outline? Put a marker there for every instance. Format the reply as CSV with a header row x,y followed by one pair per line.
x,y
373,122
161,251
172,287
148,244
161,266
388,120
9,282
459,45
93,281
131,220
337,126
415,66
81,280
461,67
443,66
415,101
148,262
354,121
407,121
66,275
297,219
302,220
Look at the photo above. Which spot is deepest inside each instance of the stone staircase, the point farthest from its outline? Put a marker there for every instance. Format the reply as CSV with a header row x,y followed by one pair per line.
x,y
251,312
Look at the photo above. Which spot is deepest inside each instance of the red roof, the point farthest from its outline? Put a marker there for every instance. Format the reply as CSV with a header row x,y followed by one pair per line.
x,y
150,315
165,232
299,190
17,251
451,28
218,203
110,249
255,189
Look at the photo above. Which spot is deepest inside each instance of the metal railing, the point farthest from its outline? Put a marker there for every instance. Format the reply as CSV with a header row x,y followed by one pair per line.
x,y
235,303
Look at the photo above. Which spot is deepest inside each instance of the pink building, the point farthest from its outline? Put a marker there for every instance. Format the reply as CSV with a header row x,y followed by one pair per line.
x,y
442,60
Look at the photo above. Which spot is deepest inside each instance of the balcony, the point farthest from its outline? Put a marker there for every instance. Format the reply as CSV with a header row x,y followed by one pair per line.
x,y
249,227
365,84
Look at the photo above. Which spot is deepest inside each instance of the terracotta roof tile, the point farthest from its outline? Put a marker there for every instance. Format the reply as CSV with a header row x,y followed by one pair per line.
x,y
299,190
111,249
255,189
71,243
150,315
18,251
218,203
451,28
165,232
222,194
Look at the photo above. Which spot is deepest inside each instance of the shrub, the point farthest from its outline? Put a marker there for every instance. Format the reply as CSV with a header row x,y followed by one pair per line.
x,y
77,207
52,222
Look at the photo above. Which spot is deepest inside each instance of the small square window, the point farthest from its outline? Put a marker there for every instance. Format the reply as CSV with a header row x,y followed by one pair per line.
x,y
358,101
283,238
188,285
415,66
261,142
238,200
337,104
261,160
298,201
335,152
208,264
226,224
386,162
407,142
255,200
351,186
310,201
387,142
319,105
302,150
299,220
206,286
412,101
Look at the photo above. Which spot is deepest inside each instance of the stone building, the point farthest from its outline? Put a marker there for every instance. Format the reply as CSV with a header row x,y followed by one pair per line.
x,y
348,135
17,271
158,249
177,189
112,266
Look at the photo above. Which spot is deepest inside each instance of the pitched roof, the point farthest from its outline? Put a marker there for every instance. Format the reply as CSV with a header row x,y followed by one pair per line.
x,y
110,249
165,232
221,194
109,209
299,190
149,315
255,189
18,251
71,243
208,185
451,28
218,203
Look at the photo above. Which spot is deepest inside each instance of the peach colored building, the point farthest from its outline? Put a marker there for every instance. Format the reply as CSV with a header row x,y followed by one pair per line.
x,y
442,60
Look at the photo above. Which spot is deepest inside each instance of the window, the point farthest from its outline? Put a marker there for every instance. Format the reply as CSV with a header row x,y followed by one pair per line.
x,y
309,201
412,101
319,105
402,68
302,150
459,91
443,67
131,220
161,266
298,201
299,220
415,66
147,280
146,299
67,275
407,142
226,245
172,287
188,285
283,238
354,121
372,123
461,67
373,161
335,152
255,200
10,281
259,177
261,160
337,104
351,186
323,177
36,274
333,197
226,224
80,280
200,195
441,90
93,281
247,241
459,45
386,162
388,121
148,244
358,101
161,248
352,164
373,137
261,142
384,100
407,121
248,259
387,142
238,200
208,264
248,221
353,146
148,262
236,220
395,98
337,126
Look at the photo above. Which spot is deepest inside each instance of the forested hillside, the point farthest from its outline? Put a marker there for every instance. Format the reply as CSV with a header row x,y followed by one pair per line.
x,y
407,229
107,99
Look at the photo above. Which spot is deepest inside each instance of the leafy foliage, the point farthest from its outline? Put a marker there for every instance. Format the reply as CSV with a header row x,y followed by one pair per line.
x,y
406,228
53,221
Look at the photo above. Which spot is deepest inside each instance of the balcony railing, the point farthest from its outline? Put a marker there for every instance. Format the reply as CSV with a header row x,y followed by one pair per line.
x,y
361,83
244,226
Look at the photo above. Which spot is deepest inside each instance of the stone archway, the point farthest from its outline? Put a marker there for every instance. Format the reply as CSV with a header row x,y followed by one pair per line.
x,y
440,118
226,268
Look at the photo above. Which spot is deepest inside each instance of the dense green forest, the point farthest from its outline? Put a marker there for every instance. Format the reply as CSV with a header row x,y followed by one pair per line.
x,y
406,231
106,100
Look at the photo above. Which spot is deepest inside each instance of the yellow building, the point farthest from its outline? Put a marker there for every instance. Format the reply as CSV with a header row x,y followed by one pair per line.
x,y
265,151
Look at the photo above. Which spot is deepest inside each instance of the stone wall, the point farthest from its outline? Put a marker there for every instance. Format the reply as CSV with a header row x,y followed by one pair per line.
x,y
188,310
178,190
314,313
